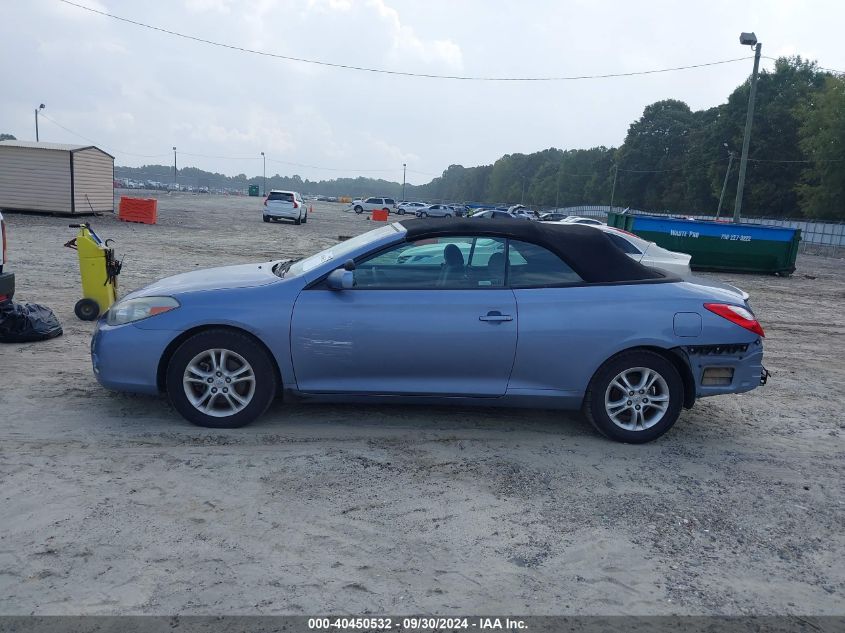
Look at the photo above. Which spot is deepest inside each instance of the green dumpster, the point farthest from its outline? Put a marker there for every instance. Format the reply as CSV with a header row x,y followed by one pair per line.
x,y
752,248
253,191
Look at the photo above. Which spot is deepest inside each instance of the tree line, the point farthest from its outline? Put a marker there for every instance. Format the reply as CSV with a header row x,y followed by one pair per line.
x,y
677,159
672,159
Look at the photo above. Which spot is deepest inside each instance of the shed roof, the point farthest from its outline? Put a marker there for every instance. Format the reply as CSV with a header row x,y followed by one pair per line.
x,y
62,147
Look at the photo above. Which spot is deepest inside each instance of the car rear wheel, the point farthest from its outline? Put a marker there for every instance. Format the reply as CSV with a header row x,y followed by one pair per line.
x,y
298,220
220,379
266,218
635,397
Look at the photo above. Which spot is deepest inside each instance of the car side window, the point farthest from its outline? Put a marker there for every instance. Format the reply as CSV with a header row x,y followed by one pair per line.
x,y
389,201
532,266
624,245
447,263
371,201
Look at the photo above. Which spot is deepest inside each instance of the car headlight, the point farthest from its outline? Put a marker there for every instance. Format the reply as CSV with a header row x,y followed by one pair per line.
x,y
130,310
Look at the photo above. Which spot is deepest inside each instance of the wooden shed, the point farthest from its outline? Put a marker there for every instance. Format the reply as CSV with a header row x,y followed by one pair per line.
x,y
55,178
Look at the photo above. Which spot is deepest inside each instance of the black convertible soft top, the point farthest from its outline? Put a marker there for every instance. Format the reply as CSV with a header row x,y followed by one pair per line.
x,y
588,251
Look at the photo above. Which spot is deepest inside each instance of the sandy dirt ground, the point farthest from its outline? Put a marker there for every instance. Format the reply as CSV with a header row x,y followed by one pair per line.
x,y
112,504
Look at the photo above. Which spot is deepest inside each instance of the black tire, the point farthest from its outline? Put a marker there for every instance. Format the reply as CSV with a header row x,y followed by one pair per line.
x,y
298,220
594,400
359,210
401,212
263,370
266,218
423,214
305,217
87,309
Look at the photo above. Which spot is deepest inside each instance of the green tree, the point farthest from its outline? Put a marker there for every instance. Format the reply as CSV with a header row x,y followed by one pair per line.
x,y
653,157
771,183
822,188
7,137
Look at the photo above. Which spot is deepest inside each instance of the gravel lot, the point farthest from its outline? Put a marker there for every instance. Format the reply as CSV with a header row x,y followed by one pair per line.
x,y
112,504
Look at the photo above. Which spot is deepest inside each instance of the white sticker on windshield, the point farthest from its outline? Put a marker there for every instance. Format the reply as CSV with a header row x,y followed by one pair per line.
x,y
319,258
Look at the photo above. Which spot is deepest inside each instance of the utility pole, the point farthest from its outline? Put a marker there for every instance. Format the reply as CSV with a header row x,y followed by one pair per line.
x,y
751,40
725,184
557,193
264,173
175,181
404,168
613,189
41,107
522,199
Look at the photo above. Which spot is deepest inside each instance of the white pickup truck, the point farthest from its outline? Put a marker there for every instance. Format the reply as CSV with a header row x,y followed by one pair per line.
x,y
7,279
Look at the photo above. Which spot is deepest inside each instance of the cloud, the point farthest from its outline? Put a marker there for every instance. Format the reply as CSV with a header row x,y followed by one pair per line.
x,y
202,6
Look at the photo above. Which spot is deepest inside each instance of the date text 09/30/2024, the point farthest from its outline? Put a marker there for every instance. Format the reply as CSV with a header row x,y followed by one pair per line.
x,y
415,624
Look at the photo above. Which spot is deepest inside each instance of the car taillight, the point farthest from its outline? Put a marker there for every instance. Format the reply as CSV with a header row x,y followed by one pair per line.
x,y
295,204
738,315
265,200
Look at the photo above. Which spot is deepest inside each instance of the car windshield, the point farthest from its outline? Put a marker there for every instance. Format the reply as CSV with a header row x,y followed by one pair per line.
x,y
336,252
280,195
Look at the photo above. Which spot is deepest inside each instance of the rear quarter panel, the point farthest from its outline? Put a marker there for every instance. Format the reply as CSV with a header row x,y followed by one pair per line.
x,y
565,334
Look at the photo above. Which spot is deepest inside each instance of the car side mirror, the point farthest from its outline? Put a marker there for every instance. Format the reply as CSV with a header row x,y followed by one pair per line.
x,y
340,279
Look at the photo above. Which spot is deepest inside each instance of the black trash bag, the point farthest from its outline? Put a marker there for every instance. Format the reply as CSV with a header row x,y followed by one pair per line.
x,y
24,322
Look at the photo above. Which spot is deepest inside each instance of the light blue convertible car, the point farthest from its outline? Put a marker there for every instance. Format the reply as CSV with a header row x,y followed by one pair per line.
x,y
508,313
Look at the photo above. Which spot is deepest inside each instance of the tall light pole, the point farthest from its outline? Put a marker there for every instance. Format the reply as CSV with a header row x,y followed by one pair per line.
x,y
557,193
264,160
175,181
725,184
404,168
613,189
41,107
747,39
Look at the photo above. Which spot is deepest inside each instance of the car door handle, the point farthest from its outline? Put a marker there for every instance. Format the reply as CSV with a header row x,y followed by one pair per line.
x,y
495,317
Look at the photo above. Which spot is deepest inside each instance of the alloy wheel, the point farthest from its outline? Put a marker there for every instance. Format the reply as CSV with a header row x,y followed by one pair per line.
x,y
219,382
636,399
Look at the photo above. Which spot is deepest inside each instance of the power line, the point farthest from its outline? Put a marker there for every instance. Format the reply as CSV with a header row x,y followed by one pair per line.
x,y
830,70
810,160
116,151
284,162
385,71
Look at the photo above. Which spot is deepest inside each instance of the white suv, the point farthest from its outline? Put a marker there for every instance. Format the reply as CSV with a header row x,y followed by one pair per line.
x,y
285,205
373,204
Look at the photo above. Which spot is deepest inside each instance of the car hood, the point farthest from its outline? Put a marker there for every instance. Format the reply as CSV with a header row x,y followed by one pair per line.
x,y
240,276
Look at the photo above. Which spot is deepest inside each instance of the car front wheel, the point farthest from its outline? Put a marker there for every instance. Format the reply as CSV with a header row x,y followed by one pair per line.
x,y
359,210
221,379
635,397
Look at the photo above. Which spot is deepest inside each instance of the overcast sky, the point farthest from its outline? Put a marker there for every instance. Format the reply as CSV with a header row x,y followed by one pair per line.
x,y
137,91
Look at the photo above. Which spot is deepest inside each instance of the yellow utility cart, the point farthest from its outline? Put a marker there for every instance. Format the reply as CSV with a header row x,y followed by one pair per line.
x,y
98,269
